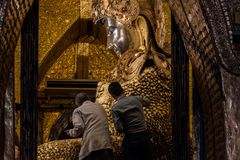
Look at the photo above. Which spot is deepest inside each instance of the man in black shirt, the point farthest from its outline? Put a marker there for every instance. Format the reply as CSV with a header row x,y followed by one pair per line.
x,y
128,118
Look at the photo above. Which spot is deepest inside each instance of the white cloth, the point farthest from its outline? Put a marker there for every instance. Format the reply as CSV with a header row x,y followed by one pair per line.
x,y
90,123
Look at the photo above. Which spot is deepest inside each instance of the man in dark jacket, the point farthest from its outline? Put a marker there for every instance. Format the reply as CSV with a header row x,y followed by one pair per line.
x,y
128,118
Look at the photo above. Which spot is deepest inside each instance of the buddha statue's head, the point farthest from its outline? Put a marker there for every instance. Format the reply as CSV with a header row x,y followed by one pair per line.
x,y
117,16
124,11
130,24
118,37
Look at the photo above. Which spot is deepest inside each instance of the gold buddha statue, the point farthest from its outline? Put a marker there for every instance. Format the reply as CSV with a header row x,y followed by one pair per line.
x,y
141,69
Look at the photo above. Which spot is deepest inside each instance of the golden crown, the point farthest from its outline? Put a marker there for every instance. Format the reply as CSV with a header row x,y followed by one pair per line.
x,y
124,11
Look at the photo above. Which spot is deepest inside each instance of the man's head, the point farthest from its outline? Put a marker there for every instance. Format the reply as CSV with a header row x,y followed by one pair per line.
x,y
80,98
115,89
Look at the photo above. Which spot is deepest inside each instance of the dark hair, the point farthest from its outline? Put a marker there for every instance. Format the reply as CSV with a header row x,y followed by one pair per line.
x,y
115,89
80,98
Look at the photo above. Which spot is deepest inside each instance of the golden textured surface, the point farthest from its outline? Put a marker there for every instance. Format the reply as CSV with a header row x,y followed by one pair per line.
x,y
59,150
55,17
17,70
63,68
167,15
101,60
85,9
152,82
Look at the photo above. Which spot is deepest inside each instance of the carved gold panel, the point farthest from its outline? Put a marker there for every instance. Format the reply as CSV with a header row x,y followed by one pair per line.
x,y
55,17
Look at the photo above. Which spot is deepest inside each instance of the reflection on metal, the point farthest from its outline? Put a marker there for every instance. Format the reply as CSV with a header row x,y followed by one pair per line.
x,y
118,37
9,120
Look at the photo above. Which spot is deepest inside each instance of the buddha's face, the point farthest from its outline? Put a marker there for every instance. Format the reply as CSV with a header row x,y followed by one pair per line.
x,y
118,37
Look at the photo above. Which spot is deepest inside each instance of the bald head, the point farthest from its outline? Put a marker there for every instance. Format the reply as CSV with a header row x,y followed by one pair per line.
x,y
80,98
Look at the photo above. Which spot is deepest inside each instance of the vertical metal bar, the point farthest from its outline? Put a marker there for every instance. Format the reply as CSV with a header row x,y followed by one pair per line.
x,y
180,90
29,75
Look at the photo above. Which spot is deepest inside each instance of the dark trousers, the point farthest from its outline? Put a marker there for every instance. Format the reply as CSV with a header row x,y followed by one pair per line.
x,y
103,154
136,146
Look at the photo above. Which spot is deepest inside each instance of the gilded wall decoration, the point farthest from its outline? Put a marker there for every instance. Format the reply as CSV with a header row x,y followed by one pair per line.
x,y
85,9
17,70
102,60
55,17
17,85
64,67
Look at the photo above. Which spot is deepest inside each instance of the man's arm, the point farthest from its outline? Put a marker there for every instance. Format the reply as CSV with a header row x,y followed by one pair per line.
x,y
117,121
78,125
145,101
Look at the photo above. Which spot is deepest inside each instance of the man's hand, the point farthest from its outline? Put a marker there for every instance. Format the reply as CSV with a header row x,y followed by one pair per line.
x,y
67,132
